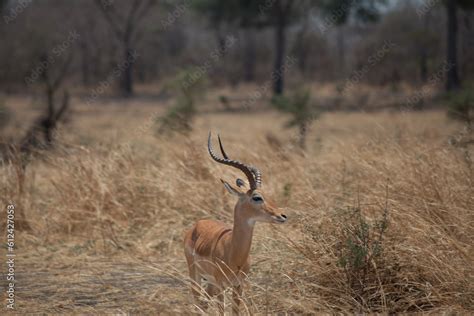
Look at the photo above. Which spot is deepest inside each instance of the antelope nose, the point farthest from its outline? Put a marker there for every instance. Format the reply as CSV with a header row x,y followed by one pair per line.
x,y
281,218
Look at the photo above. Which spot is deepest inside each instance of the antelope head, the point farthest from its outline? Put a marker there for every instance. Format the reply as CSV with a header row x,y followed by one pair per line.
x,y
253,204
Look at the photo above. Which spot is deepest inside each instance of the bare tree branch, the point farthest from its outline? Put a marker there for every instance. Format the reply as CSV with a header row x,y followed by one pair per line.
x,y
62,72
63,108
146,9
111,16
131,22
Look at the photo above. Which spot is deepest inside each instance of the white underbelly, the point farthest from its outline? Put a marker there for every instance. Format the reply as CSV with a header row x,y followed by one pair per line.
x,y
208,278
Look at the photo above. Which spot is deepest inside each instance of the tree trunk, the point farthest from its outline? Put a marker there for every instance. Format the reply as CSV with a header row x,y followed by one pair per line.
x,y
278,71
221,69
46,123
423,50
3,3
220,38
250,55
140,73
423,65
452,78
127,79
301,48
467,44
85,64
341,53
302,129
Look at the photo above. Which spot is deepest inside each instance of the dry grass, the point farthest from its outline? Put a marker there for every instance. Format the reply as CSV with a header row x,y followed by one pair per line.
x,y
108,208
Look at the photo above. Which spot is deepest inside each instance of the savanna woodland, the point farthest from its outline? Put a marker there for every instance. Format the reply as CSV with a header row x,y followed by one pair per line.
x,y
345,125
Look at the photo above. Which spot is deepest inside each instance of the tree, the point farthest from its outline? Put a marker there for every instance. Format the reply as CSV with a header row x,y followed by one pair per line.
x,y
3,4
302,47
251,15
423,49
125,25
301,108
282,13
41,134
461,107
189,86
219,14
249,23
453,81
452,76
339,12
246,14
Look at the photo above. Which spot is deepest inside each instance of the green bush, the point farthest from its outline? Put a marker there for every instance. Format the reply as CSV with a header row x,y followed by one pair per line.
x,y
189,87
461,106
224,100
5,115
360,246
302,110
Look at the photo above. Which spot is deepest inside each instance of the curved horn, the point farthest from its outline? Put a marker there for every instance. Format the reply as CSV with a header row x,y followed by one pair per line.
x,y
222,147
248,171
257,175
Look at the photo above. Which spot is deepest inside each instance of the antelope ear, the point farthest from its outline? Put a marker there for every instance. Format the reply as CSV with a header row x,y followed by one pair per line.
x,y
231,189
240,183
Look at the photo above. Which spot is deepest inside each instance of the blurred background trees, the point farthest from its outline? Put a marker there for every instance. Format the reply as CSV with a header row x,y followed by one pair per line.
x,y
338,13
124,22
329,40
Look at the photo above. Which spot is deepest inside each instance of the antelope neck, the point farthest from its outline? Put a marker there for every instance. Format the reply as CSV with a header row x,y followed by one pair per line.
x,y
241,241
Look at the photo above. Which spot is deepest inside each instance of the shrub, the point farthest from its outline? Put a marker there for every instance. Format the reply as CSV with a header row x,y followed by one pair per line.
x,y
354,257
461,105
360,246
5,115
224,100
188,86
303,111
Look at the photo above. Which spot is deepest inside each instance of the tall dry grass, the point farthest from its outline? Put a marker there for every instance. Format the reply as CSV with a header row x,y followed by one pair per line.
x,y
108,207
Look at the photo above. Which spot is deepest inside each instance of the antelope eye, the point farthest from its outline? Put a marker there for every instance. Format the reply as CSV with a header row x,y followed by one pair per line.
x,y
257,198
